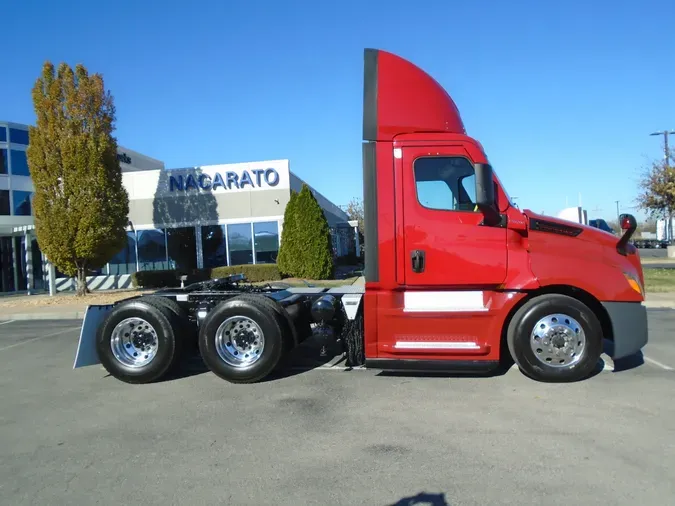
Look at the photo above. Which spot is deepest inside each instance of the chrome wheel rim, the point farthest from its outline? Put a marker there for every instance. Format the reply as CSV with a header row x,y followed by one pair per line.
x,y
239,341
134,342
558,340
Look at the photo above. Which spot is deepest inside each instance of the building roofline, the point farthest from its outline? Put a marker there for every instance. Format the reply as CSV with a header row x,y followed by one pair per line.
x,y
21,126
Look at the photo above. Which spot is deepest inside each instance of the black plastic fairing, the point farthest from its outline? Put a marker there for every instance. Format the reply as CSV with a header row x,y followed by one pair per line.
x,y
370,94
372,268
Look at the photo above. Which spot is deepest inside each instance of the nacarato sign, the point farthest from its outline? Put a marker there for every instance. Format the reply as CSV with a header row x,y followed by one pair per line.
x,y
240,180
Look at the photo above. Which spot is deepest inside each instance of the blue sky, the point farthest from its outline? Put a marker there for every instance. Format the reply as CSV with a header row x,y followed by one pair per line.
x,y
562,95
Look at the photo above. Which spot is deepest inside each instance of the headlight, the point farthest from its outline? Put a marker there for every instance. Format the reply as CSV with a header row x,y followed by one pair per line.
x,y
634,283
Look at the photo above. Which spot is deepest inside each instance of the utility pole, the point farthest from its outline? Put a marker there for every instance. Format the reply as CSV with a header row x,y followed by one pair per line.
x,y
669,221
618,220
665,134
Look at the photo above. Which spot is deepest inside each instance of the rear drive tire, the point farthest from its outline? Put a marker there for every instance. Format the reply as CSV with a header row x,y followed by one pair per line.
x,y
288,330
242,339
136,343
186,330
555,338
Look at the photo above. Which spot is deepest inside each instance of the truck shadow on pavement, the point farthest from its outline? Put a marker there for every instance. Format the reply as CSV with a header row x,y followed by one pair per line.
x,y
623,364
304,358
505,367
307,357
422,499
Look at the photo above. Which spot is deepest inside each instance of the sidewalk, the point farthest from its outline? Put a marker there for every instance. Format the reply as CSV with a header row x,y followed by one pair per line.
x,y
63,306
68,307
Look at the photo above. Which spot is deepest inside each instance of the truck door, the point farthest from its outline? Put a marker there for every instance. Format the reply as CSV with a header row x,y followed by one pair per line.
x,y
445,243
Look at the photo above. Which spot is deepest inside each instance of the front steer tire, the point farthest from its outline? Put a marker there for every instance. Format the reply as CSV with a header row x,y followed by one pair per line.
x,y
221,356
554,309
161,320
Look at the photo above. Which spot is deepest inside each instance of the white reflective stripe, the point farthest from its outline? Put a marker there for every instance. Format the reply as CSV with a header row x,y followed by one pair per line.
x,y
443,301
398,153
436,345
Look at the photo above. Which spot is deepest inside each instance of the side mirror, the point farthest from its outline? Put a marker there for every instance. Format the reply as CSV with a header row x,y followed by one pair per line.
x,y
485,193
628,224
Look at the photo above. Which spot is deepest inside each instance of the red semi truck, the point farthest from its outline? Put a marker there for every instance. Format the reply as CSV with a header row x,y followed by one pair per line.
x,y
457,278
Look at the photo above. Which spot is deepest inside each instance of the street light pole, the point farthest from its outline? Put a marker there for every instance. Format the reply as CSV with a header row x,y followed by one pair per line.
x,y
618,220
666,150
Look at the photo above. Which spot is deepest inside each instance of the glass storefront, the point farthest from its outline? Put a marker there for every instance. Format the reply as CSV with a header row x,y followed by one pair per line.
x,y
181,248
164,249
176,248
240,243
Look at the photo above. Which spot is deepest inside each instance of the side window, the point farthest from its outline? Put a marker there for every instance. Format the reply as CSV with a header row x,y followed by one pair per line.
x,y
445,183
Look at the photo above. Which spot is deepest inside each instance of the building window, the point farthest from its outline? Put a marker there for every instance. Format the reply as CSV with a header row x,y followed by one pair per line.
x,y
6,263
124,262
4,203
17,136
19,163
3,162
182,247
3,133
20,261
22,205
152,250
266,242
240,244
214,246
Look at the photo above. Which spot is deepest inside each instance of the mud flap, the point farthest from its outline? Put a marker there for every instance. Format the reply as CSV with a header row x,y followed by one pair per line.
x,y
86,348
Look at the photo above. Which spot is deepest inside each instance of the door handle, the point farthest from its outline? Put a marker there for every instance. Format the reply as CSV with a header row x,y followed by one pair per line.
x,y
417,257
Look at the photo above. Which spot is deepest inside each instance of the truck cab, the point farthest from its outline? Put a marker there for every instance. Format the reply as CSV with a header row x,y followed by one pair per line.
x,y
457,277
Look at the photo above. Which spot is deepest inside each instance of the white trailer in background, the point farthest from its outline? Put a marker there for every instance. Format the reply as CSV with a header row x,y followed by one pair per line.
x,y
575,214
663,232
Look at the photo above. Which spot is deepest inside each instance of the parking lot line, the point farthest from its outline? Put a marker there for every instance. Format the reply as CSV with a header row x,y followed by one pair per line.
x,y
8,321
38,338
657,363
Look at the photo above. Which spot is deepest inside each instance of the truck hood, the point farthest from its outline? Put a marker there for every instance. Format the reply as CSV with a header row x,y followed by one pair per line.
x,y
565,252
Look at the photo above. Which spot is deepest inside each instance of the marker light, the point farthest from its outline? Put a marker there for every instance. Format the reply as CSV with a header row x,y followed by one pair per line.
x,y
627,222
634,283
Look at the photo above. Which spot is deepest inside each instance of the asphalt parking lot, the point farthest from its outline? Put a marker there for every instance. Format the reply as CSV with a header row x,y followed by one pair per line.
x,y
331,437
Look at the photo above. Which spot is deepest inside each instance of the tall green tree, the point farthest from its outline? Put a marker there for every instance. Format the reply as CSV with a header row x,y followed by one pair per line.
x,y
306,243
286,259
657,190
80,205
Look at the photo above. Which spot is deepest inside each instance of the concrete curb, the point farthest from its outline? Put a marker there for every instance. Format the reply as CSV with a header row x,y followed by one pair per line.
x,y
659,304
68,315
